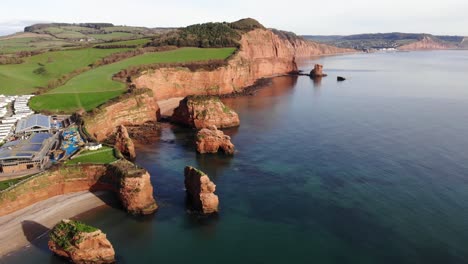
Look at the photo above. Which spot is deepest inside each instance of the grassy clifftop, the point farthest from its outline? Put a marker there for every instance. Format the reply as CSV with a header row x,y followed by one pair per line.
x,y
214,35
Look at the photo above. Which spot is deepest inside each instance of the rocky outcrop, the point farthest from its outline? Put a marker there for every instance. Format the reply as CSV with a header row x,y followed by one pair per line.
x,y
200,191
211,140
131,183
204,111
427,43
124,143
317,71
80,243
135,189
131,109
262,54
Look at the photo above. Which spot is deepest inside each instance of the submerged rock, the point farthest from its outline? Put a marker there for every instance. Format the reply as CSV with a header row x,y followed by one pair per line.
x,y
124,143
200,190
340,79
204,111
210,140
317,71
80,243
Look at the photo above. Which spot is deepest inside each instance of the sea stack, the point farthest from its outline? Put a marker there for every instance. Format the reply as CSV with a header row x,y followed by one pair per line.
x,y
317,71
211,140
204,111
80,243
124,143
200,191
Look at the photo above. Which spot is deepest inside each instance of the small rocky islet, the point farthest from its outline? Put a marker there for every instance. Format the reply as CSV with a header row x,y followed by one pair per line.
x,y
80,243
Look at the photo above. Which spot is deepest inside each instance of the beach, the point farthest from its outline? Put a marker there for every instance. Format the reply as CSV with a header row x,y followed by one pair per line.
x,y
21,228
167,106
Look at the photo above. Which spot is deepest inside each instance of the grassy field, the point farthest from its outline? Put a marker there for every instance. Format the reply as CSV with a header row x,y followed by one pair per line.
x,y
5,184
96,86
21,79
102,156
113,35
29,43
138,42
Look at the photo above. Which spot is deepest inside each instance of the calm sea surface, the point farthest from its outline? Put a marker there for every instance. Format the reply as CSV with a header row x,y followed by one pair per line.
x,y
370,170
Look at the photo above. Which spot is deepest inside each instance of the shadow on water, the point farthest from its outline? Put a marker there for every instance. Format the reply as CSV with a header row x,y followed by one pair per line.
x,y
33,232
195,220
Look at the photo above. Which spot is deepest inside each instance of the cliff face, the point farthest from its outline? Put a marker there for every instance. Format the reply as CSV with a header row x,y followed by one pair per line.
x,y
262,54
80,243
134,110
427,43
132,184
204,111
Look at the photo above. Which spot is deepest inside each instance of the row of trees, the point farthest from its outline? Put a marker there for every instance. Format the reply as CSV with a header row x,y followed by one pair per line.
x,y
208,35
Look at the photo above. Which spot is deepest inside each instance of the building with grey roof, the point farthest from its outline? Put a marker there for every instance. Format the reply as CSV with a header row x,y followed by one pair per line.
x,y
27,154
33,124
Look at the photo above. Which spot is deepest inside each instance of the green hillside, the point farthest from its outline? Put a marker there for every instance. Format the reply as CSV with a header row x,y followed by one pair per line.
x,y
92,88
24,78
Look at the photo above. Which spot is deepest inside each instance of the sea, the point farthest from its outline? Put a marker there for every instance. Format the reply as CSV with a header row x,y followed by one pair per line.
x,y
373,169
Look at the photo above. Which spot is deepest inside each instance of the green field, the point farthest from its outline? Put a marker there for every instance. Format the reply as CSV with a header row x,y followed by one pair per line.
x,y
29,43
92,88
113,35
137,42
21,79
101,156
6,184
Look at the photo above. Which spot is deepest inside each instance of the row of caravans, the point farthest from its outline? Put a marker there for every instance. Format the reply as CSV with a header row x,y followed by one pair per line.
x,y
20,108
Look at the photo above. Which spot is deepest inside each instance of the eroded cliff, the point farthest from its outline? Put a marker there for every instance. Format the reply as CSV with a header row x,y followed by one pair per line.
x,y
427,43
130,183
135,108
262,54
204,111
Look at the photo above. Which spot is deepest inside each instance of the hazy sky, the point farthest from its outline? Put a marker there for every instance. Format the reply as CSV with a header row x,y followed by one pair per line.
x,y
324,17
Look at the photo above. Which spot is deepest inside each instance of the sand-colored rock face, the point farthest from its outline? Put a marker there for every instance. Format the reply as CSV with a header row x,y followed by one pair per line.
x,y
262,54
200,191
211,140
204,111
427,43
80,244
317,71
132,185
124,143
134,110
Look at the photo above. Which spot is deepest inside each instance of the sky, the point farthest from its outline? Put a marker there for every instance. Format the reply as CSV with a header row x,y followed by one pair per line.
x,y
304,17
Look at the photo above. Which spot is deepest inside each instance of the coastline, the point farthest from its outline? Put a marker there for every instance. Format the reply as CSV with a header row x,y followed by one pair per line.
x,y
21,228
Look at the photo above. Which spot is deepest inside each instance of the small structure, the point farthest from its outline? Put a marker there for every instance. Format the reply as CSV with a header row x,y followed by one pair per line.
x,y
93,146
28,154
34,124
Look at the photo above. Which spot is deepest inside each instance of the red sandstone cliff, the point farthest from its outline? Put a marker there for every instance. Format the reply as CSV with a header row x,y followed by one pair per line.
x,y
132,109
132,184
427,43
262,54
204,111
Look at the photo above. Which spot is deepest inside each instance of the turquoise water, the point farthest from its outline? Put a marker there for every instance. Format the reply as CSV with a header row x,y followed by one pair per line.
x,y
370,170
